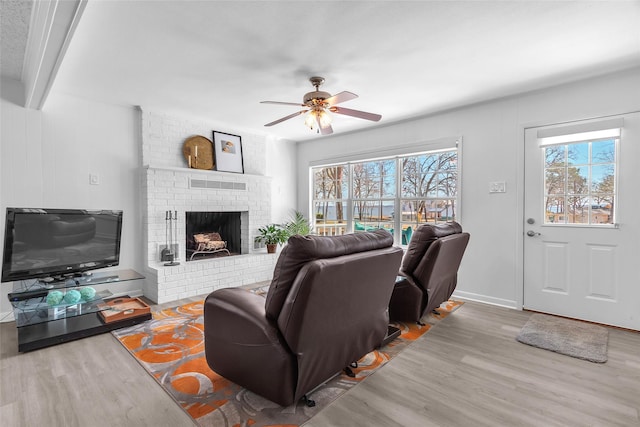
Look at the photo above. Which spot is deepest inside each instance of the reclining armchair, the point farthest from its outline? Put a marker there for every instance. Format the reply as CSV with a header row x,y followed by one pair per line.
x,y
327,306
429,271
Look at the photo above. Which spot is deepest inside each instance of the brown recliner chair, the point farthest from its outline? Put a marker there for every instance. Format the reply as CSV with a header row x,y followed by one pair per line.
x,y
429,271
327,306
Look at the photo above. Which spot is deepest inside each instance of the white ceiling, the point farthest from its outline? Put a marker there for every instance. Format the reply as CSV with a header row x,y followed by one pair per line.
x,y
217,60
14,29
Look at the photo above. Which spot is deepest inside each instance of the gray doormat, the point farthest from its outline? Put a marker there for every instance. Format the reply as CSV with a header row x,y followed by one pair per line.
x,y
570,337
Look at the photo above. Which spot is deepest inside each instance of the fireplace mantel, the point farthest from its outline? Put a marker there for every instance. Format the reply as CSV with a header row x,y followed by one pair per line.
x,y
222,175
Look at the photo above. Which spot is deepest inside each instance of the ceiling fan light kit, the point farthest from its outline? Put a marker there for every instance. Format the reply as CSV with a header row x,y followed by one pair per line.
x,y
318,104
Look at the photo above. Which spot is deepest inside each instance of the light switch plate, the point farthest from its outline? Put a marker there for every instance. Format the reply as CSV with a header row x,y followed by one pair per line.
x,y
94,179
497,187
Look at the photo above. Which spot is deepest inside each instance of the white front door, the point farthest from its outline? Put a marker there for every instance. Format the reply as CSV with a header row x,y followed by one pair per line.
x,y
582,222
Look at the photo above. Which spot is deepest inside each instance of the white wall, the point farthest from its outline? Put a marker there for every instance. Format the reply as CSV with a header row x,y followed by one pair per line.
x,y
281,166
47,157
491,151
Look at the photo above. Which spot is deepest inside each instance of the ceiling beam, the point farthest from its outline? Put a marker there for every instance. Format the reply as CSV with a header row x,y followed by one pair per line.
x,y
50,31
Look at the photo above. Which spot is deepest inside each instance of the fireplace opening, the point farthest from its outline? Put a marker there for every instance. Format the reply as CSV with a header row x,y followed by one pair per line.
x,y
212,234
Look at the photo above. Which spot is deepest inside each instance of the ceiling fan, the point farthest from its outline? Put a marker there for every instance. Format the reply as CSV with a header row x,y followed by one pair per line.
x,y
318,104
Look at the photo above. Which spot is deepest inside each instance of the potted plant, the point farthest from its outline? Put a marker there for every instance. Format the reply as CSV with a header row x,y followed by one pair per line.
x,y
272,235
298,224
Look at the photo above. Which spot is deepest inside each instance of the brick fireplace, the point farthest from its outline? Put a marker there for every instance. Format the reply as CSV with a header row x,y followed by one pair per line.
x,y
170,185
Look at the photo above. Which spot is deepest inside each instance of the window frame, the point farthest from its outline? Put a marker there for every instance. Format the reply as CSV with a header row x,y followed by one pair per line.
x,y
443,145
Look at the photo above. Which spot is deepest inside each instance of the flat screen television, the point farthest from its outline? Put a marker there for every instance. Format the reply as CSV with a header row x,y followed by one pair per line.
x,y
43,243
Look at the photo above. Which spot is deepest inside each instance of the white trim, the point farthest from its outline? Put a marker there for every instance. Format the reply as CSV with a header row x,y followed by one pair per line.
x,y
520,219
398,150
470,296
586,127
6,317
579,137
51,28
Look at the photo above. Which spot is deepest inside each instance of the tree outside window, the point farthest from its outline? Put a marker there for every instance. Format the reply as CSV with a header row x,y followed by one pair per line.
x,y
580,182
397,193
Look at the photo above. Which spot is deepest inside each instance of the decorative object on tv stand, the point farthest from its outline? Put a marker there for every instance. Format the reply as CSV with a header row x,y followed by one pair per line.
x,y
272,235
170,252
71,296
55,297
87,293
227,152
198,152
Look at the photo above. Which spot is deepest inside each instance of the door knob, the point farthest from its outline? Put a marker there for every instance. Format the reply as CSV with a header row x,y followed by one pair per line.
x,y
532,233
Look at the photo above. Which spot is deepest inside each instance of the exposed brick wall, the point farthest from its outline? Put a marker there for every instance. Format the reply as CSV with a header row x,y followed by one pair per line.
x,y
167,186
163,136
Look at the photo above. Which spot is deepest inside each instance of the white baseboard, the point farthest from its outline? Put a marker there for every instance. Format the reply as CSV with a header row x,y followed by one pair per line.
x,y
470,296
6,317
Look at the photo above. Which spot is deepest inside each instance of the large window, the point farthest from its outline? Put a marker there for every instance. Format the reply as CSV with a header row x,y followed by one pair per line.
x,y
396,194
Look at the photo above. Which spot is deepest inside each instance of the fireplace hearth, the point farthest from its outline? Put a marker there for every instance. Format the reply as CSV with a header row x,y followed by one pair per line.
x,y
212,234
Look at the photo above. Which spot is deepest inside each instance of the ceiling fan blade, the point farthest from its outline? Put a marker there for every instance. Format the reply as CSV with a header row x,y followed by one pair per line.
x,y
356,113
290,116
297,104
341,97
327,130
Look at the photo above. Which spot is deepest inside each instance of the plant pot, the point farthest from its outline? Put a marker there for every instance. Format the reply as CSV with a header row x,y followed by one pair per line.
x,y
271,248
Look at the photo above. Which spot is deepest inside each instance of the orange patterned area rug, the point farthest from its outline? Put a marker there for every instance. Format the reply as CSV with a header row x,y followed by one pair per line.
x,y
171,348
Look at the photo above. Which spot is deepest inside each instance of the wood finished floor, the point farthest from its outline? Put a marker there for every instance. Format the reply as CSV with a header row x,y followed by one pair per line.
x,y
467,371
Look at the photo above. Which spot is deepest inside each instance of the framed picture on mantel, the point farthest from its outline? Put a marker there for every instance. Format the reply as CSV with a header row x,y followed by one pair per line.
x,y
227,152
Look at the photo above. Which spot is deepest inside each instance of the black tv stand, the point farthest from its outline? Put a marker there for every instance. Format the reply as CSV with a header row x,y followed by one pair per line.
x,y
42,325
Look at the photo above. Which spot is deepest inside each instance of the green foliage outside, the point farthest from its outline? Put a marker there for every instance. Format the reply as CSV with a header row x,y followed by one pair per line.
x,y
298,224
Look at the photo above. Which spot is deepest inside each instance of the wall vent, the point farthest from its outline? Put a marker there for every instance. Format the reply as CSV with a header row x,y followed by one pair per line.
x,y
218,185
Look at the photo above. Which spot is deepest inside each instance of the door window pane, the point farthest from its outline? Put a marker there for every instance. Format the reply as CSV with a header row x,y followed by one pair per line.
x,y
554,208
603,151
602,178
578,154
580,182
555,156
578,210
554,180
577,180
